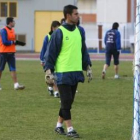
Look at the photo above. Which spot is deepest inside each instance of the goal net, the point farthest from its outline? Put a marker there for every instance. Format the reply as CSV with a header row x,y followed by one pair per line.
x,y
136,115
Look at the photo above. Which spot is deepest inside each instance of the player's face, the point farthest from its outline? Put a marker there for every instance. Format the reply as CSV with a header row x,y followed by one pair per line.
x,y
12,24
74,17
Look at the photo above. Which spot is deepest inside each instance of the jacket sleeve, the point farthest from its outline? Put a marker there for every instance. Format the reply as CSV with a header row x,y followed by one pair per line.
x,y
82,30
105,38
4,37
44,48
118,40
53,50
85,56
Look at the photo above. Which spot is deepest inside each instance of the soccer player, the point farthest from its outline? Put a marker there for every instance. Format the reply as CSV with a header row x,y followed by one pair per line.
x,y
53,91
113,47
7,50
80,27
68,57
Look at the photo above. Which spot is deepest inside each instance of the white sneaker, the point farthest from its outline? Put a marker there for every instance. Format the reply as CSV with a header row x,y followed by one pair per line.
x,y
19,87
56,95
0,87
116,76
50,90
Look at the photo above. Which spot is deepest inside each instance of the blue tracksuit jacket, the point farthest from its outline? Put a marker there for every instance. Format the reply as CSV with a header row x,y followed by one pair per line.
x,y
44,48
112,40
5,40
53,50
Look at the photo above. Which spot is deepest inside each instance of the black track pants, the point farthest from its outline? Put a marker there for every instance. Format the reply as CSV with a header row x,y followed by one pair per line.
x,y
67,94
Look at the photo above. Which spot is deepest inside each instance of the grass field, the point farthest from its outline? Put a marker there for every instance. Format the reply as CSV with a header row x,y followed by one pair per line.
x,y
103,109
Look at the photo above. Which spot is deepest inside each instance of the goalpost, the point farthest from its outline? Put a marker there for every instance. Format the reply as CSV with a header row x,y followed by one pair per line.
x,y
136,115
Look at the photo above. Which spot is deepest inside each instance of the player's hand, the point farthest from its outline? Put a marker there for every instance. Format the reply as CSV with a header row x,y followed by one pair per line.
x,y
49,78
42,63
89,73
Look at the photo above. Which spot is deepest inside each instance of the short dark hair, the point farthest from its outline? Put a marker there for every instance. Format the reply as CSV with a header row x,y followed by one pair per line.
x,y
62,21
115,25
54,24
9,19
68,9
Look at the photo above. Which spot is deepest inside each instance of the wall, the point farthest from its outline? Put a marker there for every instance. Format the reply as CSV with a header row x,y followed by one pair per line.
x,y
26,12
87,6
109,11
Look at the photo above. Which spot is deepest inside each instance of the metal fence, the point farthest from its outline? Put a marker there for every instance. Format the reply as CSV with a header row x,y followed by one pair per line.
x,y
92,39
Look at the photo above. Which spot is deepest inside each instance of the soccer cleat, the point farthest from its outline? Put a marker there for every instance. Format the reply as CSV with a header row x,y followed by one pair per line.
x,y
56,95
60,130
116,76
73,134
103,75
19,87
50,90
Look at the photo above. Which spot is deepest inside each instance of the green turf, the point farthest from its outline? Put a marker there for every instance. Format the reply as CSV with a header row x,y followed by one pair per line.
x,y
103,109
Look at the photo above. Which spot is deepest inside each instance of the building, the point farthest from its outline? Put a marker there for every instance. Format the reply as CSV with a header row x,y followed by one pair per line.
x,y
97,17
33,19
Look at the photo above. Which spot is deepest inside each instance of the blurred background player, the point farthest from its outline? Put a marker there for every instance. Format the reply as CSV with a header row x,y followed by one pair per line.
x,y
7,50
53,90
113,47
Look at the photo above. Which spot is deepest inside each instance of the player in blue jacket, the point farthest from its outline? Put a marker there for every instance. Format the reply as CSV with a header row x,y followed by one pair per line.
x,y
67,55
55,24
80,28
112,41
